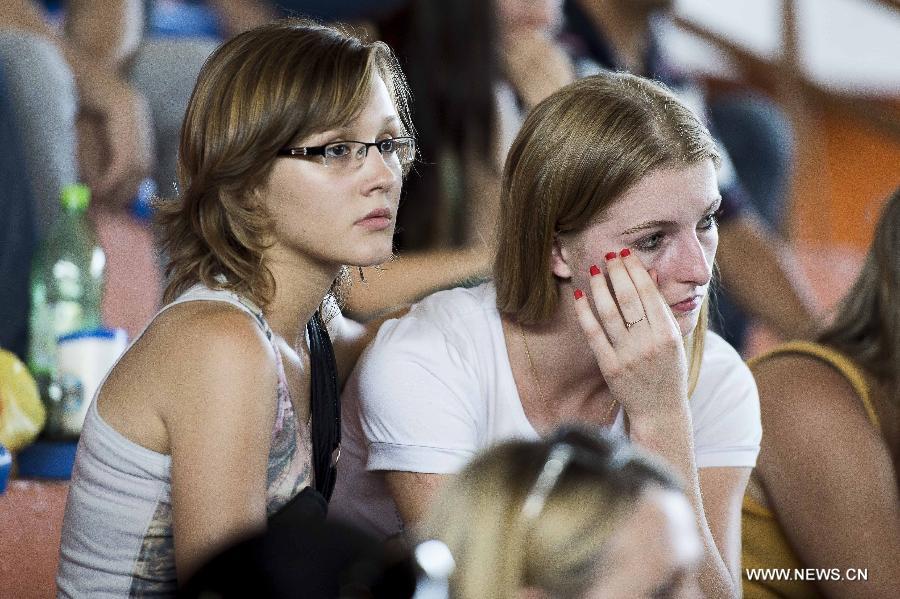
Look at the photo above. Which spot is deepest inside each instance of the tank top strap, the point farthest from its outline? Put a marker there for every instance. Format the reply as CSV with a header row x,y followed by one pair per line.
x,y
840,362
200,292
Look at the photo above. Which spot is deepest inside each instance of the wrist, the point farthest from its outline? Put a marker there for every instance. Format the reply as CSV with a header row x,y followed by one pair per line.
x,y
661,426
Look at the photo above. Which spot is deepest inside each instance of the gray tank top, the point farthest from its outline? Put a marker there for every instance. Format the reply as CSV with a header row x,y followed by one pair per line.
x,y
117,529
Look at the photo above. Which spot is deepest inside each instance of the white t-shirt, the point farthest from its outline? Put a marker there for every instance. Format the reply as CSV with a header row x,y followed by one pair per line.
x,y
436,386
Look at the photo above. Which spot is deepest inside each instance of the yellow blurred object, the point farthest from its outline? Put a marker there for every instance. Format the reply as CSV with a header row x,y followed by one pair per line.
x,y
22,414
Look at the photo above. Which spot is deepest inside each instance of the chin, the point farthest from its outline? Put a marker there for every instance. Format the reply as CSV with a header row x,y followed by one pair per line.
x,y
687,323
374,257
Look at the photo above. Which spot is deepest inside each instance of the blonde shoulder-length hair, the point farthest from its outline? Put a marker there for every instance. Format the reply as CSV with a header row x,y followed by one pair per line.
x,y
259,92
500,547
576,154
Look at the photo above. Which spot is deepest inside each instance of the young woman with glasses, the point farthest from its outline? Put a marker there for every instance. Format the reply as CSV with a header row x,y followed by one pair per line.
x,y
224,411
581,514
597,314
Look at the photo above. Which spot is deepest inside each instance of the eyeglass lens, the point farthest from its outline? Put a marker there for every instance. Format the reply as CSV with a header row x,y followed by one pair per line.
x,y
394,151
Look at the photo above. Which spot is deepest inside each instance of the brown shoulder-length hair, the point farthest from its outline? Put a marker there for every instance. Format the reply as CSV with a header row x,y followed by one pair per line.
x,y
257,93
866,326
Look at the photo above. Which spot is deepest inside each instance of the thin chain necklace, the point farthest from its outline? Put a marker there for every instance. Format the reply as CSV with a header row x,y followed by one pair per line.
x,y
537,379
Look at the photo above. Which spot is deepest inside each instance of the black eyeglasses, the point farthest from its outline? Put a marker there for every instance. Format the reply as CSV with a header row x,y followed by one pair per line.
x,y
350,155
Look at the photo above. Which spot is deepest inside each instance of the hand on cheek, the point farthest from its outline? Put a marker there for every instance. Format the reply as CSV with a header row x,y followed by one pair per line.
x,y
633,335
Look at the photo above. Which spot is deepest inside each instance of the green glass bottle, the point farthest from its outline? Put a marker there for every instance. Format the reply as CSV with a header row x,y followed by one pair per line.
x,y
67,277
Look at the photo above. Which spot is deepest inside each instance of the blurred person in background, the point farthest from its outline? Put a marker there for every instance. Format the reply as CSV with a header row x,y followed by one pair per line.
x,y
581,514
609,188
825,491
97,101
17,231
758,275
225,410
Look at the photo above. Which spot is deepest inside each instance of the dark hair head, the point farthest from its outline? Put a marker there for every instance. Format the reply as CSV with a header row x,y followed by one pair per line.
x,y
449,53
867,322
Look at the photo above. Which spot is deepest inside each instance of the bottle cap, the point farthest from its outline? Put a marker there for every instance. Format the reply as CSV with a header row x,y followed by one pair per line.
x,y
76,196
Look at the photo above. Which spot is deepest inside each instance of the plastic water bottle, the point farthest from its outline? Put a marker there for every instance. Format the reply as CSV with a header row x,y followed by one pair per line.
x,y
66,288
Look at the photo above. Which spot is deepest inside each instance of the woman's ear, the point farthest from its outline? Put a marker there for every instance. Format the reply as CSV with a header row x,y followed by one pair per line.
x,y
560,259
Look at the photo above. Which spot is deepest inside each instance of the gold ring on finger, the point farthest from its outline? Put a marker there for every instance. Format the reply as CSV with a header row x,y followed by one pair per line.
x,y
628,325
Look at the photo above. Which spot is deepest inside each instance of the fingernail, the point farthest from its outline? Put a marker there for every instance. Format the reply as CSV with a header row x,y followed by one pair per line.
x,y
625,253
594,270
578,294
610,255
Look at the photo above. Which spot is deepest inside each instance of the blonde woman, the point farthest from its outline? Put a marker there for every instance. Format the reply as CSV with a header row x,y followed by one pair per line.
x,y
581,514
224,410
825,493
597,314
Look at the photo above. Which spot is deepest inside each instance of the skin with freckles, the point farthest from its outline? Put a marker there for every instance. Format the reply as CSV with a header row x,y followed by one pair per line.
x,y
668,222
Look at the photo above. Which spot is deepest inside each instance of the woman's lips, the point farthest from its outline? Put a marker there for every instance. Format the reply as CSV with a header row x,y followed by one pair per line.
x,y
688,305
376,220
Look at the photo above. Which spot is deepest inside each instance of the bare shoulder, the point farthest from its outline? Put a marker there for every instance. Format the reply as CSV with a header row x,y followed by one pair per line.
x,y
804,385
195,359
210,345
810,412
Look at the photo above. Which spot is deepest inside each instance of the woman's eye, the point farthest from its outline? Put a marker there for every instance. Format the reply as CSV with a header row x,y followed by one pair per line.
x,y
387,146
648,243
337,150
708,222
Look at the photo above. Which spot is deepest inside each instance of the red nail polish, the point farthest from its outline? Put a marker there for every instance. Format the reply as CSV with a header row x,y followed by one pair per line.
x,y
594,270
625,253
610,255
578,294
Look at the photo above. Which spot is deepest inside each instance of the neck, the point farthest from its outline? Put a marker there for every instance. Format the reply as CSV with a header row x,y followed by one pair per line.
x,y
626,28
567,373
300,286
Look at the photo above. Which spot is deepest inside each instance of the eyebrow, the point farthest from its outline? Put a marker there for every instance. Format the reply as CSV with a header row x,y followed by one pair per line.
x,y
660,224
345,129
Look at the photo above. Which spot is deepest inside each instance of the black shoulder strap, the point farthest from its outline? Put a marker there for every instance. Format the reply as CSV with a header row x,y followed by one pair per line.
x,y
325,406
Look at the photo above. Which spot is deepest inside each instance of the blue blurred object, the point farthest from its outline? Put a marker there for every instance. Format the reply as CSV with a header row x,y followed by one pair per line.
x,y
142,207
5,467
182,18
47,459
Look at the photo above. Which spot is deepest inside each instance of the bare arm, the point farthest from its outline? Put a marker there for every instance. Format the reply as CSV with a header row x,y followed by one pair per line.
x,y
349,338
413,492
828,475
715,495
645,367
108,31
99,34
757,270
414,275
219,424
116,139
536,65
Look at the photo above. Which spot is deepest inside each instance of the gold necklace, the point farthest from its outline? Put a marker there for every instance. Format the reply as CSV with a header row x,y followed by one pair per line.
x,y
537,379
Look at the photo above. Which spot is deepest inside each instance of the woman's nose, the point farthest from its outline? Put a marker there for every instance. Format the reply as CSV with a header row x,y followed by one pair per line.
x,y
694,261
